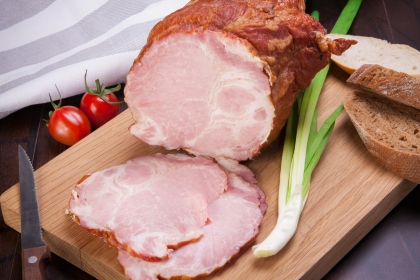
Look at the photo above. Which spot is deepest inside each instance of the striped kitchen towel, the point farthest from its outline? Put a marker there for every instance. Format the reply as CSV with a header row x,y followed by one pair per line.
x,y
46,43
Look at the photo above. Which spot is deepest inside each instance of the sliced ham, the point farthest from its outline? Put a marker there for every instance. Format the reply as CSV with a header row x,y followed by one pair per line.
x,y
235,218
218,78
246,174
151,204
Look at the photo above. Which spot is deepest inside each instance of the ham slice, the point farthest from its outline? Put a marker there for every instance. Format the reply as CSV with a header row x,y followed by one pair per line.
x,y
246,174
235,218
219,78
151,204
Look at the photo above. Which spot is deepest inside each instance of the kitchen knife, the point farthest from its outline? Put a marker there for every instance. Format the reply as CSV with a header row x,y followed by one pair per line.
x,y
35,253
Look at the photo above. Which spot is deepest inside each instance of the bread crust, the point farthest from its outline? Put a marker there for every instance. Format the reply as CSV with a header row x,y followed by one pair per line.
x,y
369,114
389,83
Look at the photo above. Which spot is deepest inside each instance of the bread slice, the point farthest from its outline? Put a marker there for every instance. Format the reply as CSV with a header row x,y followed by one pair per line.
x,y
369,50
397,86
389,130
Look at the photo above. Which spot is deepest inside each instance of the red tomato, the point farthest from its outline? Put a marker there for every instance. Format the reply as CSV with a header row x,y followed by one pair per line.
x,y
98,110
68,125
100,105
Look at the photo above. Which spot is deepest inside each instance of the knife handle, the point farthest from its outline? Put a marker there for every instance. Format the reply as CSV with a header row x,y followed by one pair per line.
x,y
34,262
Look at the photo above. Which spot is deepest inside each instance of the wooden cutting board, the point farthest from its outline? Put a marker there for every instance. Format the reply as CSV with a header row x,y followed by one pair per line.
x,y
350,193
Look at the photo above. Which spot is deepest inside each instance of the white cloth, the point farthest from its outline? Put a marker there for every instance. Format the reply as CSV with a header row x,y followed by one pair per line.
x,y
44,43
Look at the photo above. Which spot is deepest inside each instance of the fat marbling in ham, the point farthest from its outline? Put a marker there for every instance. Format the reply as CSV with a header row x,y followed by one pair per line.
x,y
235,218
213,96
151,204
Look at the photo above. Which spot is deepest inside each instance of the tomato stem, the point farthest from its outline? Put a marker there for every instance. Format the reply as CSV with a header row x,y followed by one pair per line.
x,y
101,90
55,106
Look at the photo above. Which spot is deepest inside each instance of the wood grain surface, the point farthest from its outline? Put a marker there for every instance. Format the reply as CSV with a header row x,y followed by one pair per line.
x,y
390,251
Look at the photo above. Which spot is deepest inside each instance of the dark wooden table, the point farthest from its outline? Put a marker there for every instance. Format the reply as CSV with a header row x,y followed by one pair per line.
x,y
390,251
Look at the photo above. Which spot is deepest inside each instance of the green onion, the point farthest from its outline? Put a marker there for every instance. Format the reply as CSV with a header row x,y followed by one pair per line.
x,y
315,14
346,17
303,146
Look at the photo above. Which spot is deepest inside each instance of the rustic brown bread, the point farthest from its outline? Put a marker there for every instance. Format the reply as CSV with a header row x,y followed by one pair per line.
x,y
389,130
397,86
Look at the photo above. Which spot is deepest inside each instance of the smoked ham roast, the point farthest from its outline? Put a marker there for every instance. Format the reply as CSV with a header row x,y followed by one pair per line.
x,y
219,77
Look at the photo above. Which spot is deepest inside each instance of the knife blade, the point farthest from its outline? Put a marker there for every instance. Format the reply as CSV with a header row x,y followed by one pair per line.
x,y
35,253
